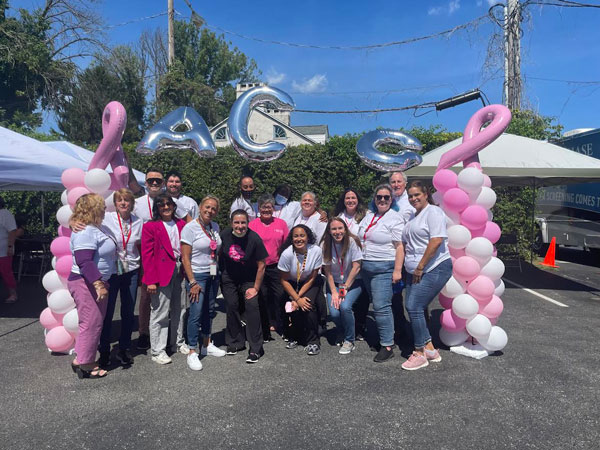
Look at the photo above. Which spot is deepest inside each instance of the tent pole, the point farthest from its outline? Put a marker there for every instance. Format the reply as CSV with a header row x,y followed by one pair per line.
x,y
533,220
43,213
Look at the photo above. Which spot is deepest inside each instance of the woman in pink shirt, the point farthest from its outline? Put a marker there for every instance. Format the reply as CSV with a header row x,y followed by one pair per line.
x,y
273,232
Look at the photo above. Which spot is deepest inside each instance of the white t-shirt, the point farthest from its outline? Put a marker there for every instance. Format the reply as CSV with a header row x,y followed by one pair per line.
x,y
290,261
350,222
406,209
173,232
193,234
429,223
120,233
314,223
186,205
143,208
105,255
382,232
242,203
7,224
353,254
287,212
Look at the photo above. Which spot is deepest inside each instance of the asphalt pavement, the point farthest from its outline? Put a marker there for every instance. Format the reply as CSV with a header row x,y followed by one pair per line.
x,y
541,392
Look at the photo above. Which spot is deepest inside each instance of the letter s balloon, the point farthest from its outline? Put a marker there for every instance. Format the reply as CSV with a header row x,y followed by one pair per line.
x,y
367,149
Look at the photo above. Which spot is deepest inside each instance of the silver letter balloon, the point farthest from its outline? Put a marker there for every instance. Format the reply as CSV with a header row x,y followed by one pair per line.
x,y
237,124
166,134
367,149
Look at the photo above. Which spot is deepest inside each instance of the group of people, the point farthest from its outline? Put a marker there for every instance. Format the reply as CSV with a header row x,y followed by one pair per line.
x,y
283,267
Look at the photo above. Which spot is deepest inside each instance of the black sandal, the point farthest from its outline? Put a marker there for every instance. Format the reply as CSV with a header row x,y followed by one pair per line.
x,y
74,367
92,373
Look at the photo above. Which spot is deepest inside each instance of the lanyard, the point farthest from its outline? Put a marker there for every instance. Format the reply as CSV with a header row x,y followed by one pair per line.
x,y
125,242
341,261
213,241
300,271
371,225
348,223
149,207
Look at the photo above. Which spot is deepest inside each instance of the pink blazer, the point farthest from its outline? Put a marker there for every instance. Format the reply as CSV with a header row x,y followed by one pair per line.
x,y
158,259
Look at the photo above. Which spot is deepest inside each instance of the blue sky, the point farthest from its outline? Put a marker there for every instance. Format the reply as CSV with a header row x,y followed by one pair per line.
x,y
558,44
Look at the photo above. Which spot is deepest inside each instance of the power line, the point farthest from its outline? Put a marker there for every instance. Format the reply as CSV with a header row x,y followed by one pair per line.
x,y
564,81
139,19
365,111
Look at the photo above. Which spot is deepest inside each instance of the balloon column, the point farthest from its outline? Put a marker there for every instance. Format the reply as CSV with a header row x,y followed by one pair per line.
x,y
471,297
60,317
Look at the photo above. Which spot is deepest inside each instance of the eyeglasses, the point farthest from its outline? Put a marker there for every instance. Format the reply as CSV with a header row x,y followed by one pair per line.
x,y
154,181
385,198
164,205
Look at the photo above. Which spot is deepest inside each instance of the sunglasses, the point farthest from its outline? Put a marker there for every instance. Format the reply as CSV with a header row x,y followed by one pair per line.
x,y
154,181
164,205
385,198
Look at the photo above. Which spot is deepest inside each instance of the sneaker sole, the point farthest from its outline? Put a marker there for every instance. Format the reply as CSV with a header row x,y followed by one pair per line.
x,y
417,367
346,352
249,361
195,369
162,363
384,360
438,359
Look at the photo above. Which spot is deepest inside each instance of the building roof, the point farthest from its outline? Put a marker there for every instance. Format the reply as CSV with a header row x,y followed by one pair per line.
x,y
312,129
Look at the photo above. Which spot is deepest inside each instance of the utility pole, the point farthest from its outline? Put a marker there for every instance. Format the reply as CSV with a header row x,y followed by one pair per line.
x,y
512,55
171,31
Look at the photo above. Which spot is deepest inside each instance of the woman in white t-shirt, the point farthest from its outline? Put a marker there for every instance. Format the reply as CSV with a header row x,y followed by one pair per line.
x,y
429,267
126,228
342,255
201,242
380,233
309,215
351,209
299,263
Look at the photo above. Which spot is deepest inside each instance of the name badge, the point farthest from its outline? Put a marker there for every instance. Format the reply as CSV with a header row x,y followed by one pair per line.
x,y
213,269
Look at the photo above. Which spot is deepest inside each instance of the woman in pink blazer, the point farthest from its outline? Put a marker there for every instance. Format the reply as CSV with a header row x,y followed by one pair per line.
x,y
161,251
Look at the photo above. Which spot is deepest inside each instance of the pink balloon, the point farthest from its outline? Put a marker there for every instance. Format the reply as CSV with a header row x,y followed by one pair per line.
x,y
492,232
493,320
60,246
59,340
63,265
456,252
465,268
493,309
456,200
452,322
75,193
495,252
64,231
481,288
50,319
487,182
474,217
474,138
477,233
444,180
446,302
72,178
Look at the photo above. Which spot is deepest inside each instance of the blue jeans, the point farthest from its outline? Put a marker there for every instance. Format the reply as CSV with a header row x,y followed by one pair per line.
x,y
200,314
344,317
126,284
420,295
377,280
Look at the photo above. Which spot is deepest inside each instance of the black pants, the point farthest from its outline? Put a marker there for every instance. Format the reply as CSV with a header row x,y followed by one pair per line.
x,y
239,309
321,302
271,307
305,324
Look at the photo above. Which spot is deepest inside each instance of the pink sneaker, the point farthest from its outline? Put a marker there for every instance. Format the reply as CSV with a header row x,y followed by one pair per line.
x,y
416,361
433,355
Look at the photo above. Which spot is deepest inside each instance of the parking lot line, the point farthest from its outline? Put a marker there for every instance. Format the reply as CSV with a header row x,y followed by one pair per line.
x,y
548,299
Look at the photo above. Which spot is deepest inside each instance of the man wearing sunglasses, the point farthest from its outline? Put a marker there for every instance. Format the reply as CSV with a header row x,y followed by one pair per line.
x,y
187,208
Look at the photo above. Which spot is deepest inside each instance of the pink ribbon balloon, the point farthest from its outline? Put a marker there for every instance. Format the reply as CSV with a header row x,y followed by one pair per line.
x,y
114,120
474,138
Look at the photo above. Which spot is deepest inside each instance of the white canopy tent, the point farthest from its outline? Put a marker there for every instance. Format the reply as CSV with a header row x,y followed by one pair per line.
x,y
515,160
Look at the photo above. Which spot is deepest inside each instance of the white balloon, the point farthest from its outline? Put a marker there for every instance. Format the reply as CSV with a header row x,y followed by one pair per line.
x,y
490,215
63,215
465,306
97,180
438,198
452,338
470,180
52,281
458,236
109,202
481,249
496,340
60,301
71,321
494,269
452,218
63,197
486,197
479,327
499,291
453,288
53,262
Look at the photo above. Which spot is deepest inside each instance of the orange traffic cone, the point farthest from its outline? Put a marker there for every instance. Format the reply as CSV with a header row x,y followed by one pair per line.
x,y
549,259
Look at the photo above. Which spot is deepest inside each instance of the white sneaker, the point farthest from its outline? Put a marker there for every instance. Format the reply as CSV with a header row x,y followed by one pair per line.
x,y
193,361
183,349
162,358
212,350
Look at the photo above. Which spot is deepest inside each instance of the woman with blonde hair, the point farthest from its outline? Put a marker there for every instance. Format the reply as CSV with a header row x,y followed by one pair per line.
x,y
94,262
